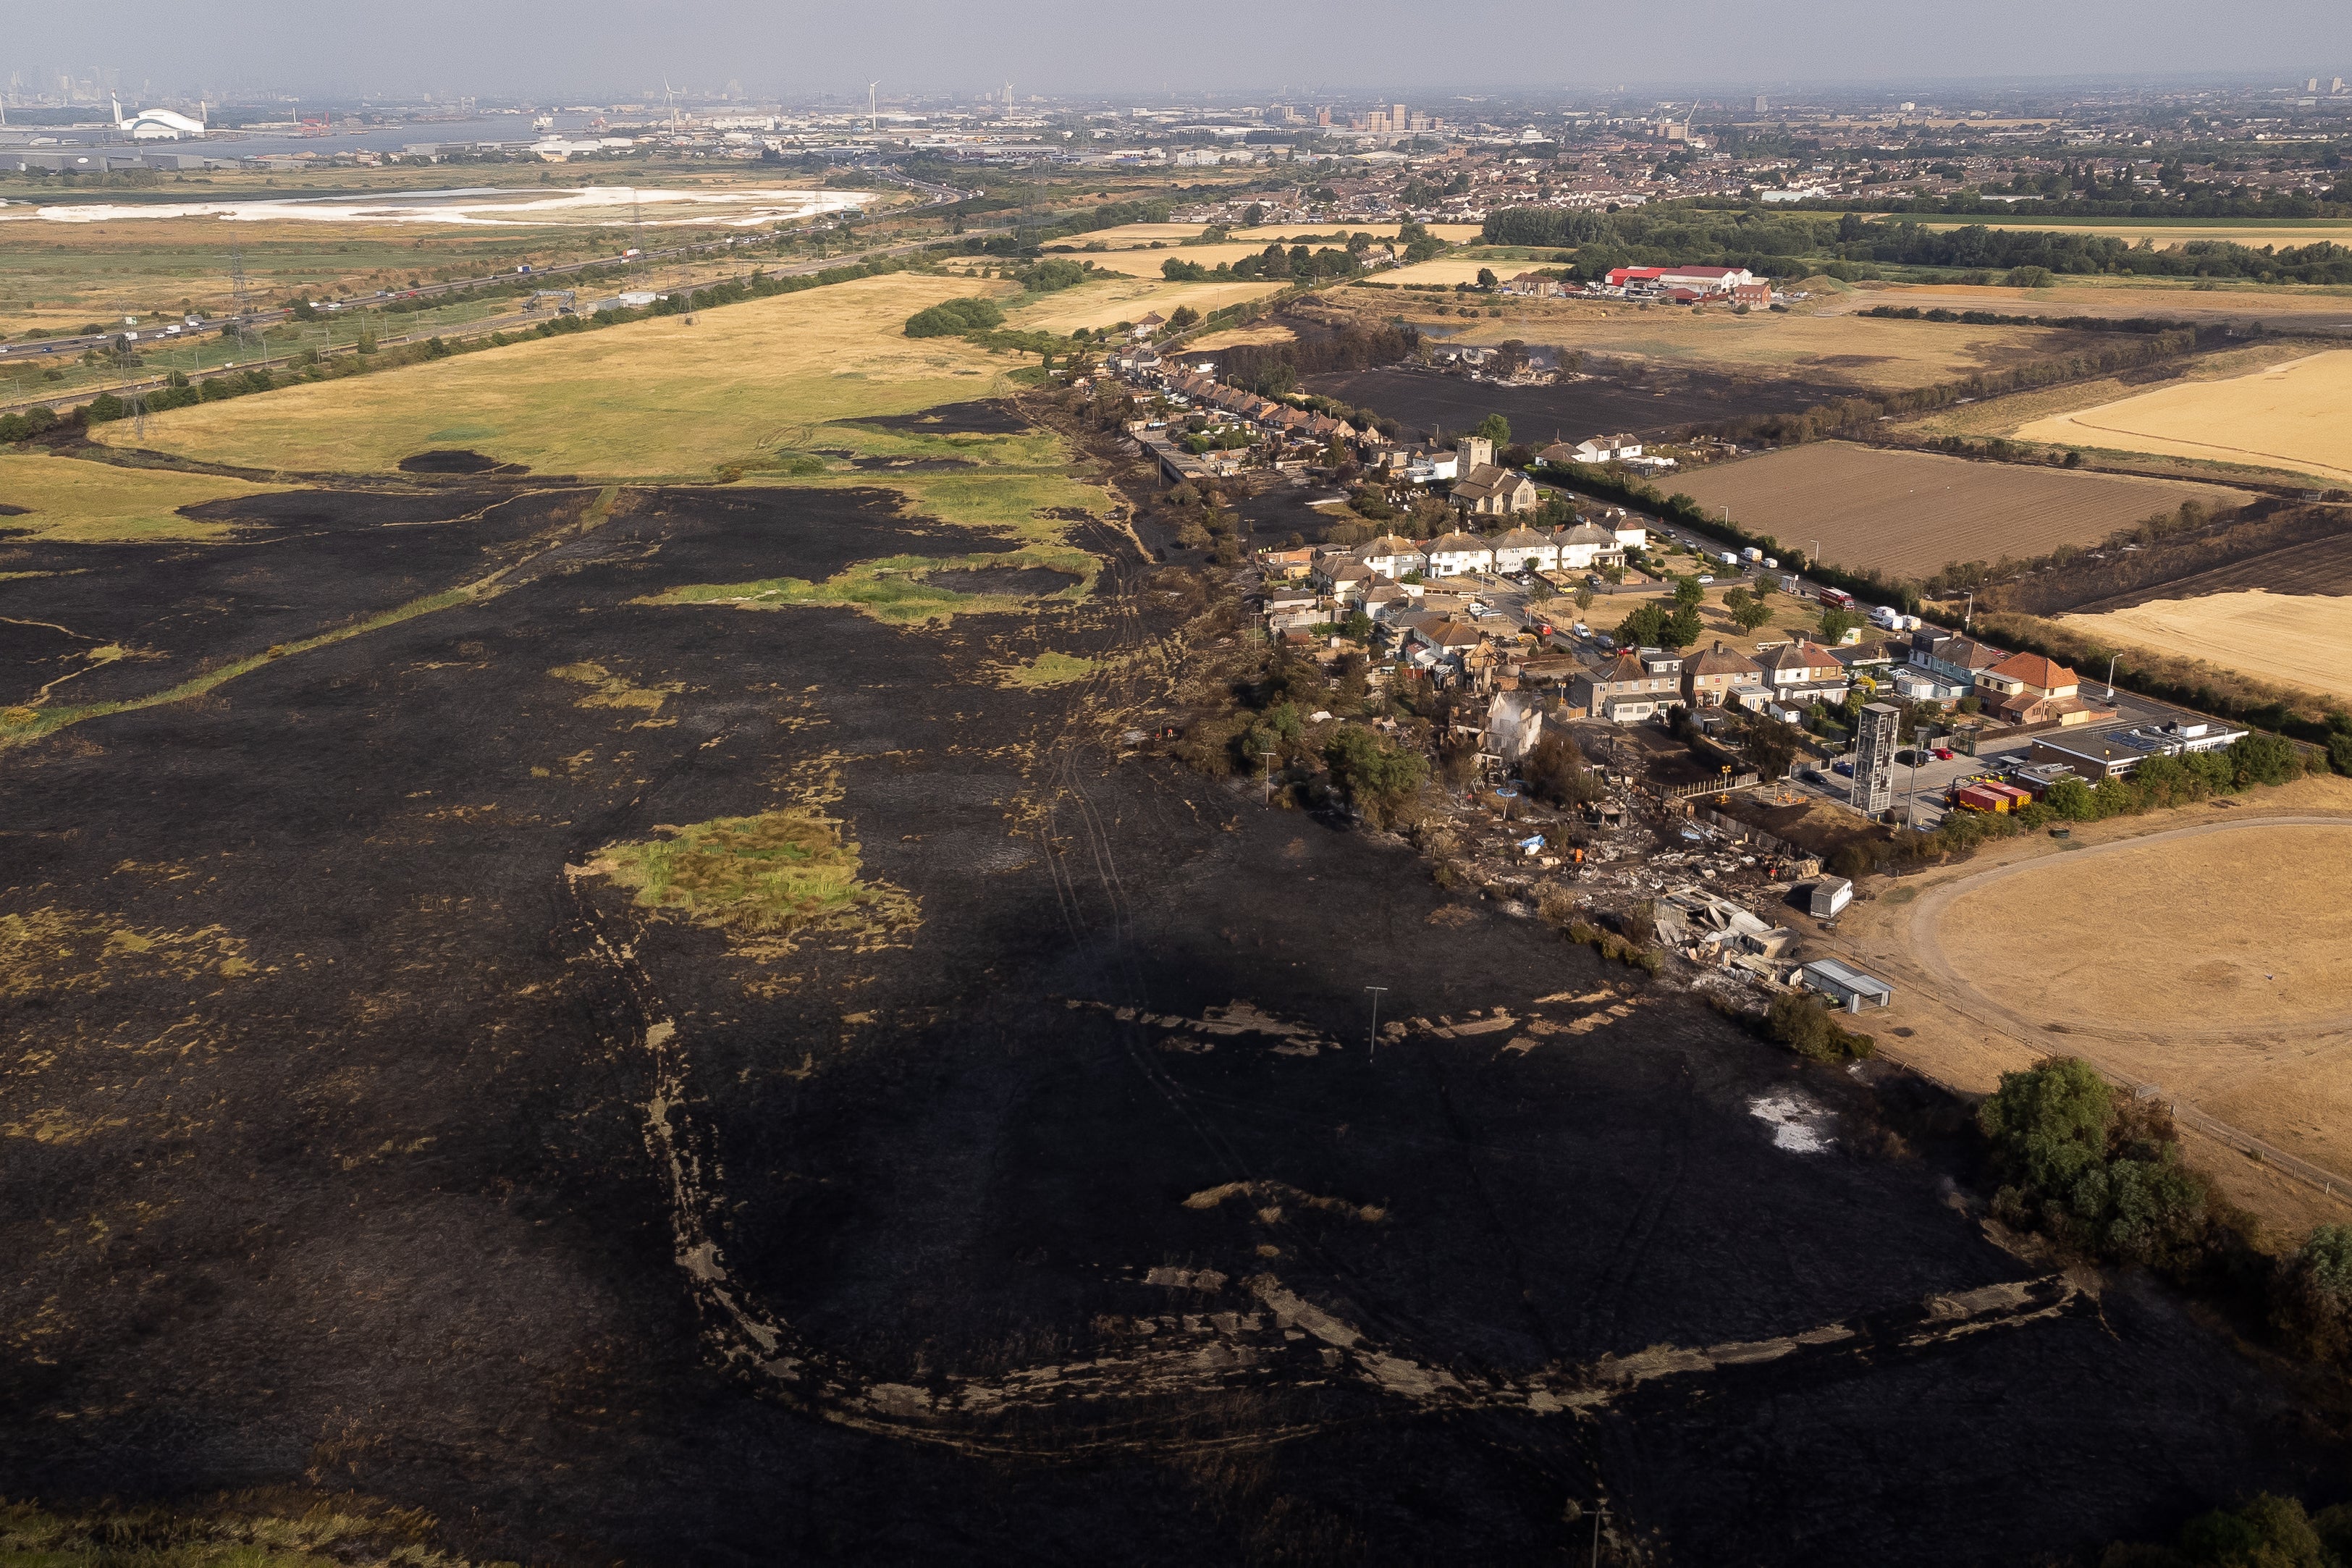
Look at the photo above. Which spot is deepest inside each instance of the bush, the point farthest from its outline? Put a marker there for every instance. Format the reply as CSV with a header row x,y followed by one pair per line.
x,y
1554,770
1380,781
2314,1300
1804,1023
950,317
2096,1172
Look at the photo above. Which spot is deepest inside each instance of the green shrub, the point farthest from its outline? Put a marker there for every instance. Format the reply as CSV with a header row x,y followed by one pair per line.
x,y
950,317
2096,1172
2313,1310
1804,1023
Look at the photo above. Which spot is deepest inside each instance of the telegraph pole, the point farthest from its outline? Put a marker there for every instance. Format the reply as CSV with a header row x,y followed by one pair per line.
x,y
1269,776
1376,991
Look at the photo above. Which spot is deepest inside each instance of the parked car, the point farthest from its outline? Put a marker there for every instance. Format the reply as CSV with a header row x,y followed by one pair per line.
x,y
1845,768
1943,754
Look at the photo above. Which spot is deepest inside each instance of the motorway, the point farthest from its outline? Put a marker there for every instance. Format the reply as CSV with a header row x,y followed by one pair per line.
x,y
934,195
937,196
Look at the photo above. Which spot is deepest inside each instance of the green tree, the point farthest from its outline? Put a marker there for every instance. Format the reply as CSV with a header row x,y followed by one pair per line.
x,y
1688,592
1181,317
1487,278
1835,624
2265,760
1584,596
1554,770
2313,1309
1253,215
1645,628
1495,428
2070,798
2048,1124
1801,1021
1747,611
1683,627
1380,781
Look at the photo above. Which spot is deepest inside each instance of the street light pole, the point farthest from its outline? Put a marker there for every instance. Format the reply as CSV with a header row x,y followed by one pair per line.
x,y
1269,776
1375,1048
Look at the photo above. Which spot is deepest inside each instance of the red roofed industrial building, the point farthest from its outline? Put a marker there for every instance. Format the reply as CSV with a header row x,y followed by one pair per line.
x,y
1700,280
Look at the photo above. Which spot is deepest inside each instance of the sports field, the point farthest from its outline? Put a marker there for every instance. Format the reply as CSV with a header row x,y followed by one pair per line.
x,y
652,398
1909,513
2211,963
2292,639
2296,414
70,500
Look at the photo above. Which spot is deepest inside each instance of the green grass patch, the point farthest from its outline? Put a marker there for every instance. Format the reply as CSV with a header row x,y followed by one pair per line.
x,y
70,500
895,589
1047,669
785,873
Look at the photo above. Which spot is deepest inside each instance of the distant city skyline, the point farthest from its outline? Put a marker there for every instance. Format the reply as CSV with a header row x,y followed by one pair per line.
x,y
798,49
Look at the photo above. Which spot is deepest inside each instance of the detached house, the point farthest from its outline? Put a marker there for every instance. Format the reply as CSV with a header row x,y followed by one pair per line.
x,y
1492,490
2027,688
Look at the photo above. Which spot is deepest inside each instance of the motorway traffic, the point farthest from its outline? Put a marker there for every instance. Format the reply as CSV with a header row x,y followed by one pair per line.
x,y
139,332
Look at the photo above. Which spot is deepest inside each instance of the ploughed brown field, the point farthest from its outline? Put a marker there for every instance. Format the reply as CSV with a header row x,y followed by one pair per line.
x,y
1911,512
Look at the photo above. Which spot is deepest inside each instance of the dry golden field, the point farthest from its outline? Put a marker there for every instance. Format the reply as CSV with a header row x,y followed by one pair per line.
x,y
2008,415
2295,415
648,398
1908,513
2207,963
73,501
2292,639
1233,337
1854,350
2214,964
1103,304
1170,234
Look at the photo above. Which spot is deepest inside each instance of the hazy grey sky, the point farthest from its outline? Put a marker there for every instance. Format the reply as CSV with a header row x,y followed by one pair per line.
x,y
602,47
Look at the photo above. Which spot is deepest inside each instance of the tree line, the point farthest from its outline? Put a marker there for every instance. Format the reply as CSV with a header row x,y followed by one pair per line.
x,y
1793,245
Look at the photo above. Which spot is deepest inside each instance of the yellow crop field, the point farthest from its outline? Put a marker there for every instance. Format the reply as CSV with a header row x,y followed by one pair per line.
x,y
1172,234
1149,263
1861,350
1098,305
651,398
2177,299
2294,639
71,500
2297,414
1233,337
1447,270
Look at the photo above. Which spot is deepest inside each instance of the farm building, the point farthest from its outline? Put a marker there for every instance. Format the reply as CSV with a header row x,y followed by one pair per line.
x,y
1848,987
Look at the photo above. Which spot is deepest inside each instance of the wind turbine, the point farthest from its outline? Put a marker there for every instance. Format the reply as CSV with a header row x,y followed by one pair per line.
x,y
670,98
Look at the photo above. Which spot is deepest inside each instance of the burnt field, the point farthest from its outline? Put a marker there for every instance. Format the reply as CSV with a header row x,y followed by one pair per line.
x,y
1652,404
364,1127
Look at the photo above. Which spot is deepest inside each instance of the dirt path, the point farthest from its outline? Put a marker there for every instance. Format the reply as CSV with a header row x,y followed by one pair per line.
x,y
1924,934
